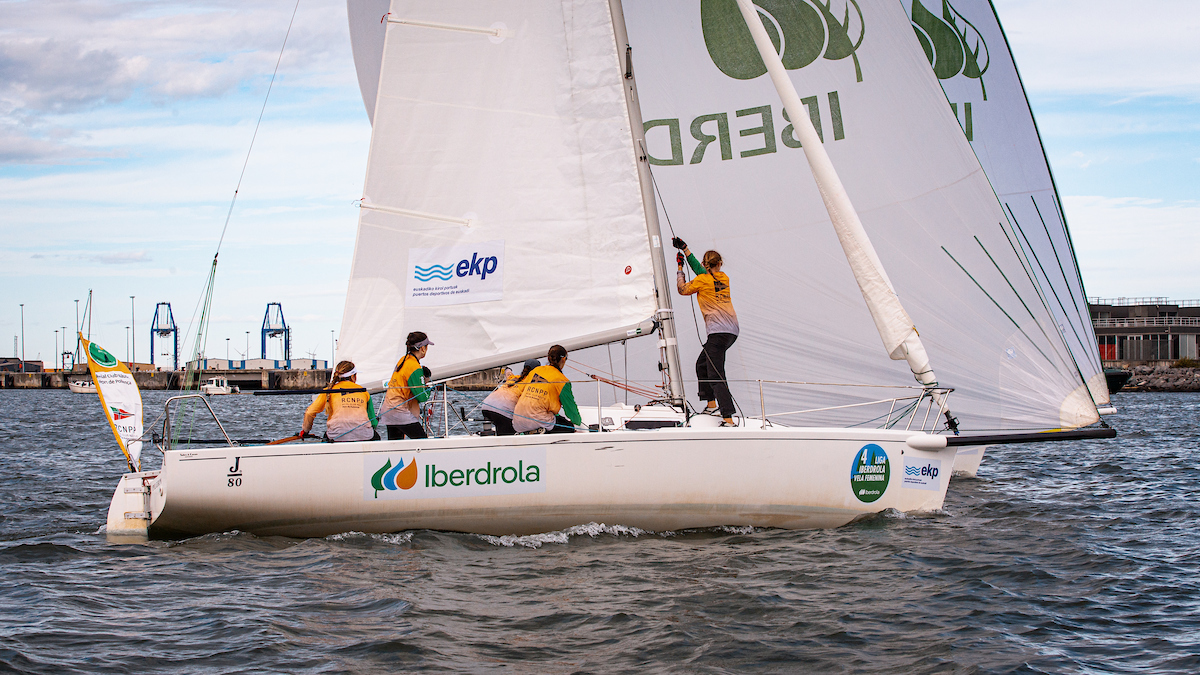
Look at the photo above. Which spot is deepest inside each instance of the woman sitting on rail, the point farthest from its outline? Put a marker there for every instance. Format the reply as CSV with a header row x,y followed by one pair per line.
x,y
350,416
498,407
407,390
547,392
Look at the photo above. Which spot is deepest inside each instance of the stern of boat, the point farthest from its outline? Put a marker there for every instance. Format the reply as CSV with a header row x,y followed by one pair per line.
x,y
131,510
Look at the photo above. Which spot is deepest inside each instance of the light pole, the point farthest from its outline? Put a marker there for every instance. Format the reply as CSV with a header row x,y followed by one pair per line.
x,y
22,337
246,356
332,348
133,334
63,357
226,353
56,345
77,329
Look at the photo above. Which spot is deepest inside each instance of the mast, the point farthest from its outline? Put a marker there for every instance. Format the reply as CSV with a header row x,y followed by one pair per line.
x,y
895,327
668,346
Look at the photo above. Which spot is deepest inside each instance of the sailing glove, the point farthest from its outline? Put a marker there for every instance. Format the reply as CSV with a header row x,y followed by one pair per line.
x,y
428,374
679,259
678,243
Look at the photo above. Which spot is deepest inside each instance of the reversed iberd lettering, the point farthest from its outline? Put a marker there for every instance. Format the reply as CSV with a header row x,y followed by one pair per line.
x,y
753,139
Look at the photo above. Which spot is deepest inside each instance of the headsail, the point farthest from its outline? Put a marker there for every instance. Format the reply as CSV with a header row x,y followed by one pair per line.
x,y
966,45
121,399
731,178
503,210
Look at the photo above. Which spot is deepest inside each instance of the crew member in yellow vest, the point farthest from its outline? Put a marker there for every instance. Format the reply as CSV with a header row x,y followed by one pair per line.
x,y
499,405
349,414
711,288
547,392
407,390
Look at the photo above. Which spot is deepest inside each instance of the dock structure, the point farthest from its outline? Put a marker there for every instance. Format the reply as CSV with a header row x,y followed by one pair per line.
x,y
1145,331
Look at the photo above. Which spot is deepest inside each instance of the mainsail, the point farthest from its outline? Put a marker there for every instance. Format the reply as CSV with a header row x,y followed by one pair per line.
x,y
120,397
731,178
503,210
969,52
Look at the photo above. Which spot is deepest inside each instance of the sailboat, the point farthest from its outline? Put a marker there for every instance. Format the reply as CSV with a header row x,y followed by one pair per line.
x,y
510,205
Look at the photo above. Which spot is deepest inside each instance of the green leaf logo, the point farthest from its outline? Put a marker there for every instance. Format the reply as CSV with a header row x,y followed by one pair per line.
x,y
101,357
801,31
951,43
377,479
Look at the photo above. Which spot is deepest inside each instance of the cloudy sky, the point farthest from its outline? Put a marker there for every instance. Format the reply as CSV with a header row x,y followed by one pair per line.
x,y
124,126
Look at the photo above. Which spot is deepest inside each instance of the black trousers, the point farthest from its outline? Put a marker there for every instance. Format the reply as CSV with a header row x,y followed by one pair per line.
x,y
710,371
397,432
562,425
503,424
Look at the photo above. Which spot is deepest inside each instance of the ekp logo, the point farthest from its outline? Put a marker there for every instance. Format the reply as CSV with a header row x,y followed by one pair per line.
x,y
456,275
801,31
928,470
398,477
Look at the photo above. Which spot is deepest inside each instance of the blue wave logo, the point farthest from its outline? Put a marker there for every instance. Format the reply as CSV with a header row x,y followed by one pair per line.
x,y
912,471
443,272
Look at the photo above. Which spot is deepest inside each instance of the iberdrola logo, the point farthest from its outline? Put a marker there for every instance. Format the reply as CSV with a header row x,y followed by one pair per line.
x,y
951,43
101,357
399,477
801,30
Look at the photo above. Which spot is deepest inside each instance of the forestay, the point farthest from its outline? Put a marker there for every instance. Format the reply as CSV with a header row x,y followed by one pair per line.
x,y
732,178
969,52
502,211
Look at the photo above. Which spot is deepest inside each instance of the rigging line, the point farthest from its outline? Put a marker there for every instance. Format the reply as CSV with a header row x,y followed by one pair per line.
x,y
998,306
1041,294
257,125
1081,311
1029,311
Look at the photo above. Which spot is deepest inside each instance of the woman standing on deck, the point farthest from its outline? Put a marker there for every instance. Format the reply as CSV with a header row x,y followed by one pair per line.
x,y
711,287
407,390
547,392
349,414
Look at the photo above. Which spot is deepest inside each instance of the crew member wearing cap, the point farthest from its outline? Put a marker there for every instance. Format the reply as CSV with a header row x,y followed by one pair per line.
x,y
407,390
547,392
349,414
499,405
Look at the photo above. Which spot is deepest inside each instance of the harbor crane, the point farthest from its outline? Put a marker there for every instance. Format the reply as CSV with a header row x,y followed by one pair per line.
x,y
163,325
274,325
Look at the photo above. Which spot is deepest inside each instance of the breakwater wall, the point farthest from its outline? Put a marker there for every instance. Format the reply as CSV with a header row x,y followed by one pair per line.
x,y
1163,378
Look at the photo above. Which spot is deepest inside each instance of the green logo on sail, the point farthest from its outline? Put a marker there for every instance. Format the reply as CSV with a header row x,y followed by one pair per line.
x,y
801,30
951,43
101,357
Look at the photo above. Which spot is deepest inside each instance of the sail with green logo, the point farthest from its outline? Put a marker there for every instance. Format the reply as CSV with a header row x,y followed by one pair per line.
x,y
969,52
733,178
119,397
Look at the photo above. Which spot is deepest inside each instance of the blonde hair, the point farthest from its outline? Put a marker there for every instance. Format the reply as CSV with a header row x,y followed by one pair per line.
x,y
711,259
339,372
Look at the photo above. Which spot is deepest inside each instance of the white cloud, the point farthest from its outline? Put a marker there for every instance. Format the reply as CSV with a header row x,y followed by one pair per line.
x,y
1133,247
1105,46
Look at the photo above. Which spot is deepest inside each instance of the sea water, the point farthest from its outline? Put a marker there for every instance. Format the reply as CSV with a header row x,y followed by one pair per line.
x,y
1078,557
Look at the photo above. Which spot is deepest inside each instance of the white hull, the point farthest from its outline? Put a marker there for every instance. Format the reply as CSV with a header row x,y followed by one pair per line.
x,y
656,480
966,462
82,386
